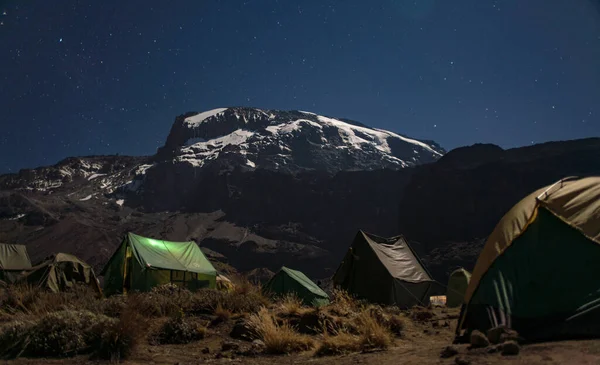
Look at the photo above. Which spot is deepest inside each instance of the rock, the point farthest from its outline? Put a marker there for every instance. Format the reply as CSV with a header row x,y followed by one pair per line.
x,y
510,348
449,351
243,331
511,336
494,349
229,346
479,340
257,348
462,361
206,350
502,334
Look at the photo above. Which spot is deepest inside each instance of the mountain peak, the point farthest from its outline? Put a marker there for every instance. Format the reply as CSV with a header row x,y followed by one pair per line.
x,y
290,141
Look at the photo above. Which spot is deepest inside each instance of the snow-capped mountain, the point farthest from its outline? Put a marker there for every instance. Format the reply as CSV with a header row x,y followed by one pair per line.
x,y
289,141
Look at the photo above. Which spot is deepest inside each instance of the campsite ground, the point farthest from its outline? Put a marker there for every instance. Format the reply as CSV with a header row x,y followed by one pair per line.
x,y
421,343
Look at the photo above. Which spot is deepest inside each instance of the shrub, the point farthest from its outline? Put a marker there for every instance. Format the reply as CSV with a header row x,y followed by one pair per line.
x,y
61,334
116,339
180,330
14,337
206,302
278,338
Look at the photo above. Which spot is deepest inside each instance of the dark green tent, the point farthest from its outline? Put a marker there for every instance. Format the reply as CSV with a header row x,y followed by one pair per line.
x,y
13,261
457,286
141,263
538,271
61,272
384,271
288,281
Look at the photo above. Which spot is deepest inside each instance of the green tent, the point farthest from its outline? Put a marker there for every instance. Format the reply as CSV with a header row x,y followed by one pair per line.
x,y
457,286
60,272
385,271
141,263
538,271
13,261
288,281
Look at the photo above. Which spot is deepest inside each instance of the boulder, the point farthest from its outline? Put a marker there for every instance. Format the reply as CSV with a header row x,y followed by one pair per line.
x,y
479,340
510,348
243,331
502,334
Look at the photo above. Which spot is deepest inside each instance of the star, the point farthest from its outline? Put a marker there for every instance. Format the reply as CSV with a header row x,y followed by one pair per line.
x,y
60,40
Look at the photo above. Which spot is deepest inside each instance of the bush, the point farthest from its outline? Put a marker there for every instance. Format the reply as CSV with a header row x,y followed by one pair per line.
x,y
14,338
116,339
180,330
278,338
61,334
342,303
206,301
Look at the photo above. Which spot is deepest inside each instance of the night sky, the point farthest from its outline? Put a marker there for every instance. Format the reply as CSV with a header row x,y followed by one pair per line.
x,y
106,77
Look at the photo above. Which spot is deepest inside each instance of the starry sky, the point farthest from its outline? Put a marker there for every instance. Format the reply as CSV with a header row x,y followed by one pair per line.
x,y
104,77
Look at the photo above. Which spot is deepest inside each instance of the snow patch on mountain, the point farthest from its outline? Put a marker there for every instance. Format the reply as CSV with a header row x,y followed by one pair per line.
x,y
199,118
198,153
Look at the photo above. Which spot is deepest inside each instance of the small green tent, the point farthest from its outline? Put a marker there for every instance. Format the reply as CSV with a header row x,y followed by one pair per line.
x,y
141,263
288,281
538,271
61,272
457,285
385,271
13,261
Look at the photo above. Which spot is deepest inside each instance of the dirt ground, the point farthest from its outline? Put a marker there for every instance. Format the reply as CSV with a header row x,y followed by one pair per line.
x,y
421,343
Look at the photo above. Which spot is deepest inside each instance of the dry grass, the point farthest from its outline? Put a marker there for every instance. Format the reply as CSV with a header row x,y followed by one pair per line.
x,y
222,314
278,338
290,305
342,303
340,343
373,335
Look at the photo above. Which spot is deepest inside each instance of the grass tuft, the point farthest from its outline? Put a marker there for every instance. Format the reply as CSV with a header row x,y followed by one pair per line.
x,y
278,338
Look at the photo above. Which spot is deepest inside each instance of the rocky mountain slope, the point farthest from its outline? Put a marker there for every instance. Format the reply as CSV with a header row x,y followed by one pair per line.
x,y
262,189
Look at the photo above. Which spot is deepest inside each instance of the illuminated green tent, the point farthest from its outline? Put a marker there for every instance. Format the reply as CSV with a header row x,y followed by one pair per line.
x,y
142,263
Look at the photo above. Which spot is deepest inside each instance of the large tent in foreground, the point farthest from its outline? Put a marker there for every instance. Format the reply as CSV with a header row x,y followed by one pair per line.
x,y
13,261
538,271
287,281
141,263
61,272
385,271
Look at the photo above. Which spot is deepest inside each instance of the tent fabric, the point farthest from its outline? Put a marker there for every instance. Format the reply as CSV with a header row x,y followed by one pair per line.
x,y
60,272
457,285
384,270
536,273
141,263
14,257
289,281
574,200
